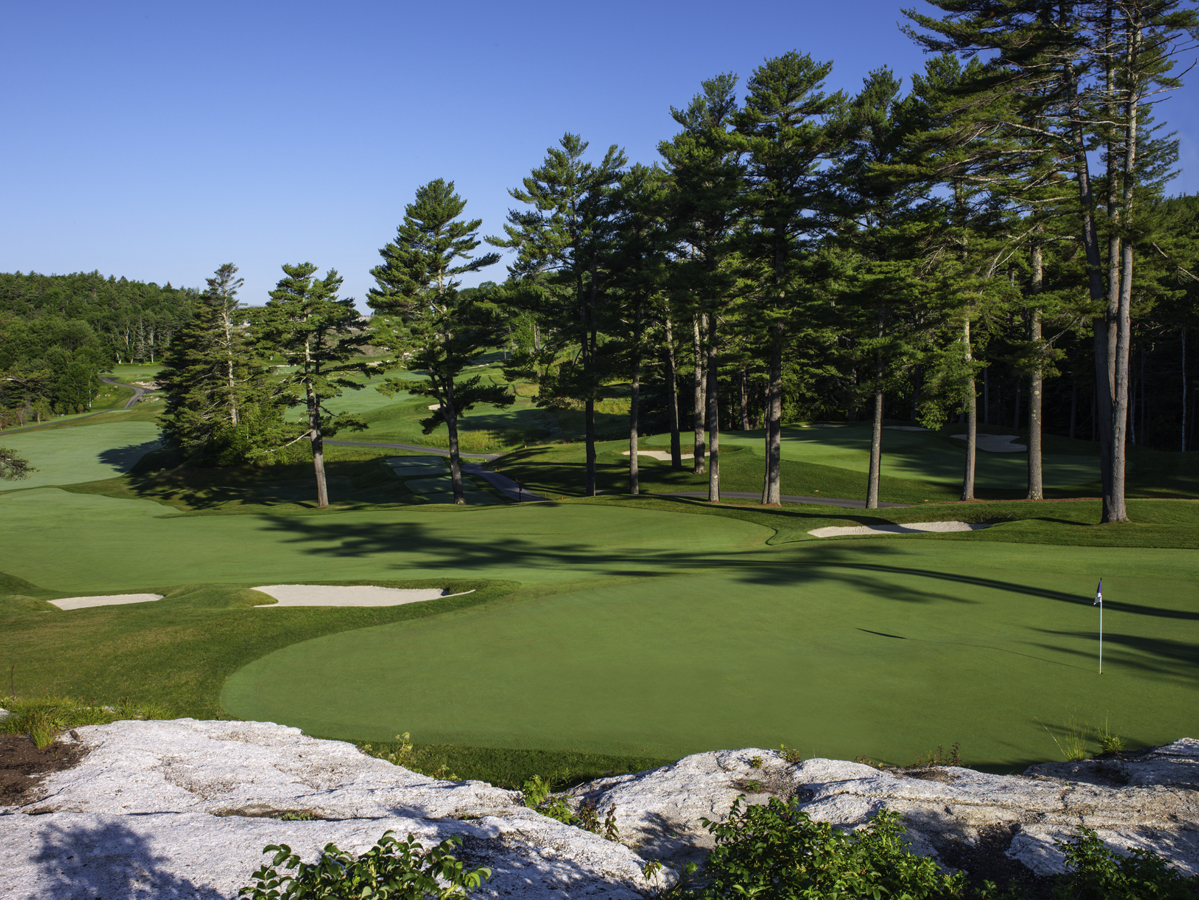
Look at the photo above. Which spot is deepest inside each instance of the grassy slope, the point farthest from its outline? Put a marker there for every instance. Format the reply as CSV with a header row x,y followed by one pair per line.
x,y
574,558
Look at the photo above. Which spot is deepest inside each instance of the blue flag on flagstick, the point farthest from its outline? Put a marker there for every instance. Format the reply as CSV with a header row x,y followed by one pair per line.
x,y
1099,594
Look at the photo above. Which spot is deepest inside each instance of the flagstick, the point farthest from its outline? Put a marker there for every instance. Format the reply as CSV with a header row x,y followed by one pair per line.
x,y
1100,638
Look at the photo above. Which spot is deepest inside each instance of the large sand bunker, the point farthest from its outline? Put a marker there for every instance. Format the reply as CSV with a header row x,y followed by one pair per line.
x,y
663,455
109,600
348,595
887,528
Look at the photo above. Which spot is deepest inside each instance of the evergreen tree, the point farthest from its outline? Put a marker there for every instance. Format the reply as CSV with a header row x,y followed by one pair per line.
x,y
220,407
707,171
560,245
786,134
319,337
423,311
13,467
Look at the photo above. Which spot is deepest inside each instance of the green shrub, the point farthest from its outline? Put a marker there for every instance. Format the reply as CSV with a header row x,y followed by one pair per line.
x,y
390,870
1096,872
775,851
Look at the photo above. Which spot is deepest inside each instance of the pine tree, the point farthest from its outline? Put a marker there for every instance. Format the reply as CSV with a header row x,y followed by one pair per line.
x,y
319,337
423,311
784,126
560,244
219,407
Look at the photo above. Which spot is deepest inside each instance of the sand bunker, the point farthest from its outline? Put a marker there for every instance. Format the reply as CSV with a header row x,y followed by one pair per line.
x,y
995,443
663,455
903,428
347,595
109,600
911,528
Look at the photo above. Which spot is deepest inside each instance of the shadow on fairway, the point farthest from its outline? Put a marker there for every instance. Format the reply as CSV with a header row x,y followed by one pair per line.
x,y
125,458
332,536
71,868
1177,660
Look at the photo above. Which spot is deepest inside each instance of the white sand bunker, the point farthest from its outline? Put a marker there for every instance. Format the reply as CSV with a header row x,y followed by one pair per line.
x,y
109,600
995,443
348,595
663,455
912,528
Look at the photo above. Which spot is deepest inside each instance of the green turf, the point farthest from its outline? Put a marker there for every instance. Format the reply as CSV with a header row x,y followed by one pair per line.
x,y
634,628
79,454
880,650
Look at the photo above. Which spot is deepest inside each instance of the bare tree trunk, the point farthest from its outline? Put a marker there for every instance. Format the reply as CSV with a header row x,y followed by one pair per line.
x,y
971,418
771,486
634,400
314,430
744,399
876,434
672,403
1184,389
1036,479
713,415
698,466
450,414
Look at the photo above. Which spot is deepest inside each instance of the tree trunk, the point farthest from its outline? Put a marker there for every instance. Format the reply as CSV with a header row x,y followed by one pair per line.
x,y
743,396
713,415
1036,481
450,414
698,466
986,396
1184,389
634,399
318,443
876,434
971,412
672,402
771,485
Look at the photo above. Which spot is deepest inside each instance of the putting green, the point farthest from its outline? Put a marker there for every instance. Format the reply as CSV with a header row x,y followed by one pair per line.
x,y
83,453
881,650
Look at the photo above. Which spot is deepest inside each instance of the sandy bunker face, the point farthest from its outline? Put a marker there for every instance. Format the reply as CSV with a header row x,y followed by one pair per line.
x,y
347,595
912,528
109,600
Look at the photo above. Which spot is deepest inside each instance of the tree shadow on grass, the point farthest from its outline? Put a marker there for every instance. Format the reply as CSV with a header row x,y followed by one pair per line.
x,y
1163,657
442,549
122,459
108,860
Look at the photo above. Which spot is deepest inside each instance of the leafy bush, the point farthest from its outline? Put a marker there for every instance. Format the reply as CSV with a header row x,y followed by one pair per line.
x,y
777,851
537,795
390,870
1099,873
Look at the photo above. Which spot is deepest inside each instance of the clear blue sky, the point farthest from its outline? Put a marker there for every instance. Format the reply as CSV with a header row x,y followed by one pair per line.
x,y
158,140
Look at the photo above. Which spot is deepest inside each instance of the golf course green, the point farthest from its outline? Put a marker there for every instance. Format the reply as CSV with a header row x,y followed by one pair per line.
x,y
646,627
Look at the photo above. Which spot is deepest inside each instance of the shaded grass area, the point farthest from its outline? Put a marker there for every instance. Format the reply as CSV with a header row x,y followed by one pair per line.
x,y
918,467
176,653
357,478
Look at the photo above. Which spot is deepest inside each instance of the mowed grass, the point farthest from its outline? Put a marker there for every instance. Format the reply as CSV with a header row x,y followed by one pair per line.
x,y
85,452
882,650
917,467
615,628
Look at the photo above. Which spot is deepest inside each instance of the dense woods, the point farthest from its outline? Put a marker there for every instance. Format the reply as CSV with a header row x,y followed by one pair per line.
x,y
59,332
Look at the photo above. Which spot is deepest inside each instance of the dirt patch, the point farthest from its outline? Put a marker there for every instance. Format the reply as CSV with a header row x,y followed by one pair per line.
x,y
23,765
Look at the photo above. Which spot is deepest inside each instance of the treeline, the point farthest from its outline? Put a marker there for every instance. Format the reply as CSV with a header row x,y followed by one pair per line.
x,y
59,332
949,253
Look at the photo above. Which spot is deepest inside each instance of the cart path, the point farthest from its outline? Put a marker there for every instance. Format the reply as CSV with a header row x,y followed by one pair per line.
x,y
137,391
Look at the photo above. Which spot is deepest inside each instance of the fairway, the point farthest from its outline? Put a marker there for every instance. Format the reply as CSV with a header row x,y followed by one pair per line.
x,y
877,650
82,453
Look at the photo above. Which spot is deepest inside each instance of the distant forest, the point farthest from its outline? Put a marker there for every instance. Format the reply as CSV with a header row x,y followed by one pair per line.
x,y
59,332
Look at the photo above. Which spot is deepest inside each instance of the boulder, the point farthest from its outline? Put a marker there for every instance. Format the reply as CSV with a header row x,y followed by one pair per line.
x,y
184,808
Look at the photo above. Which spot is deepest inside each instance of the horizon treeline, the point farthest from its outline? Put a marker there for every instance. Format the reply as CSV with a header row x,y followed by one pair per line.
x,y
59,332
